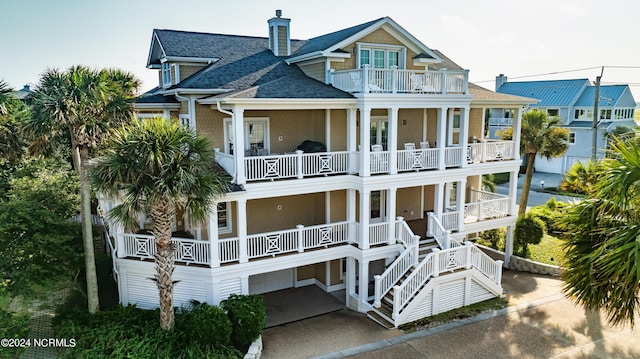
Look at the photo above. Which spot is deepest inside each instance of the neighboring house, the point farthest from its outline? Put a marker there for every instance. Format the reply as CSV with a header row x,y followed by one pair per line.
x,y
572,101
356,159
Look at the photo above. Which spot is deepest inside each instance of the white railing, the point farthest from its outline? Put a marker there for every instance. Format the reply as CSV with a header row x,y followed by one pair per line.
x,y
441,261
225,161
229,250
394,80
272,243
185,249
324,235
475,152
95,219
477,195
499,150
401,265
419,159
500,121
450,221
296,165
378,233
484,210
379,162
441,235
453,156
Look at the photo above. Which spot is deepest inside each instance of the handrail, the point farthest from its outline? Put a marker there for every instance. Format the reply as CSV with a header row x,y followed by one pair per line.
x,y
441,235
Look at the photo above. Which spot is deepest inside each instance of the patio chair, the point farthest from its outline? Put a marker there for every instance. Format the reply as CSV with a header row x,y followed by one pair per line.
x,y
379,161
420,84
424,145
409,146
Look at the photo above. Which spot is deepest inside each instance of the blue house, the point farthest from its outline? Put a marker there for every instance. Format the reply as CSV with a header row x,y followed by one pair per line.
x,y
572,101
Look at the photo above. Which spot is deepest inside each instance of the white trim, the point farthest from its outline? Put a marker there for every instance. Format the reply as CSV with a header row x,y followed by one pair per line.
x,y
173,106
229,227
248,120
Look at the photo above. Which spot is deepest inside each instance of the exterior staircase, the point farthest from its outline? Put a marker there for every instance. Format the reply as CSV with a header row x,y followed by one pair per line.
x,y
433,275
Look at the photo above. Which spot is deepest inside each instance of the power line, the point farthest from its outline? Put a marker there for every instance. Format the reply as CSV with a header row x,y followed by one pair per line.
x,y
566,71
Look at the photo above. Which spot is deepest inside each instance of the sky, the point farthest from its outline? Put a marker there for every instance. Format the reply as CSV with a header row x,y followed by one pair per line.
x,y
514,37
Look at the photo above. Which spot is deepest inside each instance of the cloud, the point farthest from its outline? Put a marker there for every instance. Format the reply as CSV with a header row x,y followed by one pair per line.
x,y
456,24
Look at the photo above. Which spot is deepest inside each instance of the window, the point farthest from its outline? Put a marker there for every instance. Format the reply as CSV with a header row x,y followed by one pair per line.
x,y
583,114
383,57
224,218
553,112
379,132
256,136
605,114
166,74
185,120
572,138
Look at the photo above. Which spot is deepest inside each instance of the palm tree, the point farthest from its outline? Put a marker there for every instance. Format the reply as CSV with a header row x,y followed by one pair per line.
x,y
5,95
81,104
602,263
581,178
13,113
156,167
540,136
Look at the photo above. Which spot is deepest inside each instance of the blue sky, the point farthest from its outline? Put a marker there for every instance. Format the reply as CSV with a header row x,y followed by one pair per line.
x,y
489,37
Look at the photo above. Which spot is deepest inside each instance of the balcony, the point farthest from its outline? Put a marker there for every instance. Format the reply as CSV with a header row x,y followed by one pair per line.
x,y
394,80
299,165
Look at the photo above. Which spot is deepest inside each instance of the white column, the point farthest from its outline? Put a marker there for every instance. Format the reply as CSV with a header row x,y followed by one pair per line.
x,y
442,136
365,146
363,284
242,229
351,215
350,281
484,118
365,213
327,207
508,245
424,124
513,192
461,192
438,200
327,128
212,232
464,134
352,138
192,113
238,144
517,126
392,140
391,214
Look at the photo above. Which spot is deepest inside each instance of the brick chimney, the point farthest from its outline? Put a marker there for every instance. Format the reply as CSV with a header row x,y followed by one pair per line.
x,y
279,35
500,80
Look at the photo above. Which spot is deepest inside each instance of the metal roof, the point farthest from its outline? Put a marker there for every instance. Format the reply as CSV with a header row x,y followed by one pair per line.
x,y
554,93
610,96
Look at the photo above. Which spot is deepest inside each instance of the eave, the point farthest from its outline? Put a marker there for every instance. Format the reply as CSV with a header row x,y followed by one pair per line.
x,y
151,106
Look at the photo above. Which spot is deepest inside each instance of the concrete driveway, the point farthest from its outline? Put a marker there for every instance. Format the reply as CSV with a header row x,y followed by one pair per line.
x,y
536,197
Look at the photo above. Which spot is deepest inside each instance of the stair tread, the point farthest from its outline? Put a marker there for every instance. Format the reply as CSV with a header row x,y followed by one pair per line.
x,y
376,317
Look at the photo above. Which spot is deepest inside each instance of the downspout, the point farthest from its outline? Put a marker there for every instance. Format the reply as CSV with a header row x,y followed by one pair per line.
x,y
235,174
191,106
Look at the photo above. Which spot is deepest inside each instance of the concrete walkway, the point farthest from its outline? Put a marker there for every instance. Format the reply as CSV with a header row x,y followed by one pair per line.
x,y
539,323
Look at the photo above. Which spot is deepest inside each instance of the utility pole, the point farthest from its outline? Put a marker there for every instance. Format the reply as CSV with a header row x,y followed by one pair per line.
x,y
596,117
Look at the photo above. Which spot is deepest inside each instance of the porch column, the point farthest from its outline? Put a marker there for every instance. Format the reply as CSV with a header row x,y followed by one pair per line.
x,y
365,145
350,282
464,134
513,193
327,207
351,215
212,232
352,139
482,127
438,200
192,112
391,215
365,213
517,126
238,144
442,137
508,245
242,230
461,192
424,125
392,140
327,128
363,284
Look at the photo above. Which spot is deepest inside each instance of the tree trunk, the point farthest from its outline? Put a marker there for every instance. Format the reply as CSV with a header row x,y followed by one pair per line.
x,y
163,214
524,197
81,154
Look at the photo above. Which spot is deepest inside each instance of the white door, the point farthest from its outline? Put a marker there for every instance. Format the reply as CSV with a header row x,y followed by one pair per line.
x,y
377,207
272,281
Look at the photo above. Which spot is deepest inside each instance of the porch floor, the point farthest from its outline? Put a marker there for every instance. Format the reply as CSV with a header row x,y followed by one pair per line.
x,y
295,304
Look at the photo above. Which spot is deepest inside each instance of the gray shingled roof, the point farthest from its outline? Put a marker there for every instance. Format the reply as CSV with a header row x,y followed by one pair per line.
x,y
326,41
158,98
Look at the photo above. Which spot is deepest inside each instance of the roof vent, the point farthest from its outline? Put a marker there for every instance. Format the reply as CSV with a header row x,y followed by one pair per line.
x,y
279,35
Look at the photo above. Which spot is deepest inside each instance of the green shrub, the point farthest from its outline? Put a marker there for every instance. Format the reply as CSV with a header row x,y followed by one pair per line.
x,y
12,326
247,314
494,238
206,324
529,230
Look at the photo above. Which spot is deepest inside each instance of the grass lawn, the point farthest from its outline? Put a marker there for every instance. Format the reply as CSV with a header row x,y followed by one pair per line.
x,y
549,250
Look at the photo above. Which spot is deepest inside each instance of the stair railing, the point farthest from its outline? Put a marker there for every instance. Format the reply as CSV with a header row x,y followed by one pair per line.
x,y
407,259
441,235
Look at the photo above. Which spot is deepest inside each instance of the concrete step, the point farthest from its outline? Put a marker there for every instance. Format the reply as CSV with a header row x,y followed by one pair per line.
x,y
380,319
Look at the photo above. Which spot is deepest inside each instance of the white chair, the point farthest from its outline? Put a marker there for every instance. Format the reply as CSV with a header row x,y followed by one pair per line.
x,y
424,145
376,148
409,146
379,161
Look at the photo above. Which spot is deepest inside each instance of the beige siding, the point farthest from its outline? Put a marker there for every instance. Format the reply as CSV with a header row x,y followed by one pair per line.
x,y
338,206
306,272
264,215
379,36
321,273
475,123
188,70
408,203
335,272
474,182
210,123
338,130
429,197
315,71
294,126
410,126
432,126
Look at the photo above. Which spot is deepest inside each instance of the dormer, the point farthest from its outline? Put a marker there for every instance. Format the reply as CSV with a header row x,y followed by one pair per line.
x,y
279,35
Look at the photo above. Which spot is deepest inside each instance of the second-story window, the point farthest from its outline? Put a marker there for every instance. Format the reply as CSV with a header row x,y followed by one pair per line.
x,y
379,58
379,132
572,138
553,112
166,74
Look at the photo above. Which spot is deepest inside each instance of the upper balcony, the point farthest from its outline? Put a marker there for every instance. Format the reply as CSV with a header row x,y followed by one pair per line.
x,y
401,81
